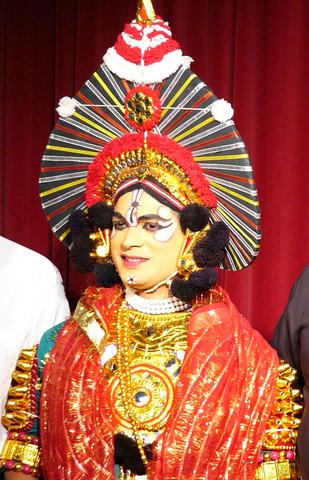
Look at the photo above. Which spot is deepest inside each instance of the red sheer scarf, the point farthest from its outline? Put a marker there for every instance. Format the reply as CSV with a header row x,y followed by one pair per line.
x,y
222,402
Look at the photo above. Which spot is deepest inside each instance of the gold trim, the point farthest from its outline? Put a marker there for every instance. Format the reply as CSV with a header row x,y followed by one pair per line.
x,y
147,162
277,470
282,426
18,406
87,320
23,452
281,430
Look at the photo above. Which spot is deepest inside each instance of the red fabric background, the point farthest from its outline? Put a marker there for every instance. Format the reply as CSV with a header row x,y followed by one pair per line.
x,y
254,53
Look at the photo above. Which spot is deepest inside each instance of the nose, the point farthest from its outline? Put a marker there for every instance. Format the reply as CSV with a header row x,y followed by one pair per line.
x,y
131,238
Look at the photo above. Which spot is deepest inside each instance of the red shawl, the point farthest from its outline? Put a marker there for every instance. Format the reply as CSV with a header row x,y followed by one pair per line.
x,y
222,402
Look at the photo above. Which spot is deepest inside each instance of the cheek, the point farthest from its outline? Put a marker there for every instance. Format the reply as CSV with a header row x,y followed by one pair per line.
x,y
115,242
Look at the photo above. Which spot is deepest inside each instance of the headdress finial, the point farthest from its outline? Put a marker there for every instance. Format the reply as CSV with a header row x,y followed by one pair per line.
x,y
145,12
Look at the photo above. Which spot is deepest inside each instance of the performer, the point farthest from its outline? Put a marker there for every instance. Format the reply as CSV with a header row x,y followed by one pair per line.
x,y
156,375
32,300
290,341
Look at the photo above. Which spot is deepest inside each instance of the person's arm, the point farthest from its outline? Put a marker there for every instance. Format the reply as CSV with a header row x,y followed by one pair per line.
x,y
20,454
51,306
291,339
293,326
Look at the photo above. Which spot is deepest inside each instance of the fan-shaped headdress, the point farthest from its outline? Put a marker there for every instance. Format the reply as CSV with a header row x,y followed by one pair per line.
x,y
144,117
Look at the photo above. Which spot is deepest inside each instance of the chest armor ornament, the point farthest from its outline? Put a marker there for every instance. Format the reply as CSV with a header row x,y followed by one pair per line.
x,y
143,374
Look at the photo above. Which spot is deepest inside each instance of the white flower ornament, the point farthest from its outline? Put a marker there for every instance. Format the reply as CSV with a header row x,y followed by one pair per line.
x,y
186,61
66,106
222,110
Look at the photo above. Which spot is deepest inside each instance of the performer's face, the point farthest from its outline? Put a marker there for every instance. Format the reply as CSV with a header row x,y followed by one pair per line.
x,y
146,242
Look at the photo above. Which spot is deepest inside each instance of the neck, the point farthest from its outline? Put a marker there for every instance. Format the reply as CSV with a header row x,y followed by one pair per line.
x,y
160,290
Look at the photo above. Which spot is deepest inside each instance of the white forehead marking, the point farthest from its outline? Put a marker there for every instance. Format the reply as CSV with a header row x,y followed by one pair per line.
x,y
131,215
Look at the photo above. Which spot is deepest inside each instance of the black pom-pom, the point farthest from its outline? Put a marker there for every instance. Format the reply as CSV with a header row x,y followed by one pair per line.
x,y
209,252
183,290
219,233
82,244
100,215
81,259
127,454
194,217
198,282
78,223
106,275
204,279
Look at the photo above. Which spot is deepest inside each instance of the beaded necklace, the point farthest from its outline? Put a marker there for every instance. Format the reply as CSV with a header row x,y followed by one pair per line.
x,y
155,306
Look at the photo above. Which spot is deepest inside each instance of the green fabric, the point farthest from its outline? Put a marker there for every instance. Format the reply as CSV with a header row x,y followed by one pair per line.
x,y
46,344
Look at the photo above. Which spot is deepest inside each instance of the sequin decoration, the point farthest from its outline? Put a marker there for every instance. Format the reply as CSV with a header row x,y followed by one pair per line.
x,y
143,108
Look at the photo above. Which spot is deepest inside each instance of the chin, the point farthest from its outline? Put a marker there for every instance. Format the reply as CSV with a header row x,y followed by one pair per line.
x,y
137,286
160,293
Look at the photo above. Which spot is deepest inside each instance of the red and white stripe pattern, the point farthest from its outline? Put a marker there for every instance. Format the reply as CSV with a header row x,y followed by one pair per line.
x,y
145,54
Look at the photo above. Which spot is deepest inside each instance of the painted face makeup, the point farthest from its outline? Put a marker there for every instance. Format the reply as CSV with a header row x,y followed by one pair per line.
x,y
146,241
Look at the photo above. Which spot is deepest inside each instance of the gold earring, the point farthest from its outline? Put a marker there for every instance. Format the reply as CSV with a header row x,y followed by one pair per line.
x,y
186,264
102,243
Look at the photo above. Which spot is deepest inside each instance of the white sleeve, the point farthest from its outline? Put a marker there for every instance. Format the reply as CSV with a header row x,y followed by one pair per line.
x,y
51,305
32,301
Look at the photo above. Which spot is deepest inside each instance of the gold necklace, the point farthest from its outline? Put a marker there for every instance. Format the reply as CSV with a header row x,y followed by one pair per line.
x,y
149,332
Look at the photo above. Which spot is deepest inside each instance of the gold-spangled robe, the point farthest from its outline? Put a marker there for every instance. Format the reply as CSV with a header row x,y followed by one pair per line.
x,y
222,401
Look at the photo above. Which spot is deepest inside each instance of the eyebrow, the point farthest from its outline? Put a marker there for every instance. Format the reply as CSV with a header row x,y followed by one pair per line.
x,y
152,216
149,216
118,215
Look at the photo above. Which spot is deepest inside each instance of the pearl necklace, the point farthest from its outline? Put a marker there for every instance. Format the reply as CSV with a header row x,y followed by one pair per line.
x,y
155,306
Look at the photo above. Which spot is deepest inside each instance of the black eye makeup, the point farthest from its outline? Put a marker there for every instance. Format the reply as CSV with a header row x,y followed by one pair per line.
x,y
119,222
119,225
150,222
154,226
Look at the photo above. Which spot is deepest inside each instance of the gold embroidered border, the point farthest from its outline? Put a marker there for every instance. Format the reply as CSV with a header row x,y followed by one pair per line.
x,y
87,320
22,452
20,406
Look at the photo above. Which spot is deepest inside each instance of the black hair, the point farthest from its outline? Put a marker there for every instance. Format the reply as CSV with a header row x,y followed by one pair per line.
x,y
82,225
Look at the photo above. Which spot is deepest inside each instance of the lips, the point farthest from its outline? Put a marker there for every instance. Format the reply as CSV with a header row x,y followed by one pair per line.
x,y
130,261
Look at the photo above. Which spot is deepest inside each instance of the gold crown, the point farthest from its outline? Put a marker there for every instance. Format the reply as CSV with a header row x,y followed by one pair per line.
x,y
147,163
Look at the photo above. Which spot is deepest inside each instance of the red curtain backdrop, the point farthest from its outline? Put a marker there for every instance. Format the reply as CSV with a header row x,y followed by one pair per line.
x,y
253,53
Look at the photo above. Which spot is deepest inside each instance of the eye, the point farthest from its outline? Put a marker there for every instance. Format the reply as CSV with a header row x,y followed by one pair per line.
x,y
119,224
152,226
